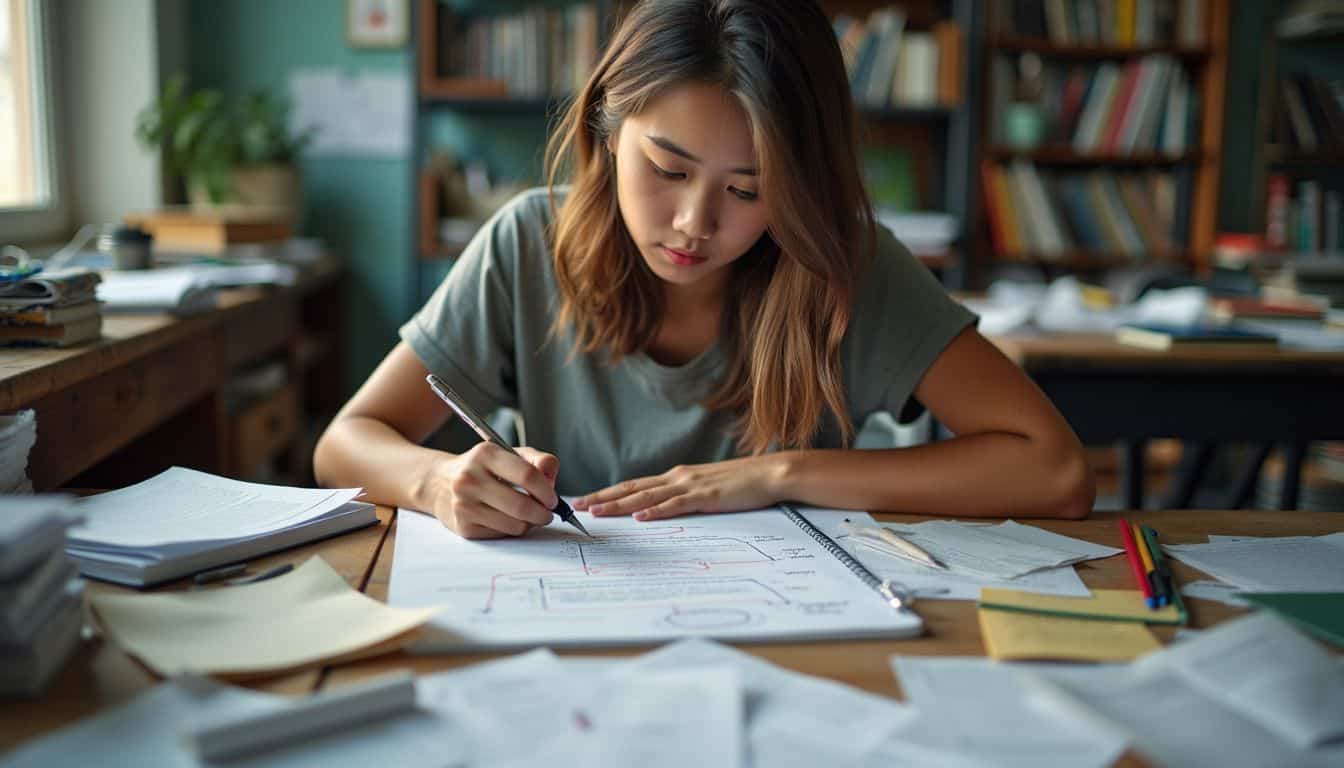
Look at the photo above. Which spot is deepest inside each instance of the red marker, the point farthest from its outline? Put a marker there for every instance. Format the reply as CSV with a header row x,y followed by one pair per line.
x,y
1136,565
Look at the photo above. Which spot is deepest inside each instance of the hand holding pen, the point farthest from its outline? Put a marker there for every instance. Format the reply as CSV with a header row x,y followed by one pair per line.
x,y
493,489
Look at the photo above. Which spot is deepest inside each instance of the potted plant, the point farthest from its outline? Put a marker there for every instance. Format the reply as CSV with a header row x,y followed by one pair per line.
x,y
239,154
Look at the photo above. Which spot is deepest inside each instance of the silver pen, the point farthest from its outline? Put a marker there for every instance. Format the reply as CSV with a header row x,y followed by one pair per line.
x,y
482,428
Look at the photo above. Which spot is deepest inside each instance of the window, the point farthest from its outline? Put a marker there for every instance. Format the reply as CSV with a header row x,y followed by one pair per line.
x,y
29,200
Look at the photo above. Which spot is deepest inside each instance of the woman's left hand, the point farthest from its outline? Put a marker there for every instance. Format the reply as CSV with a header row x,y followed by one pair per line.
x,y
725,486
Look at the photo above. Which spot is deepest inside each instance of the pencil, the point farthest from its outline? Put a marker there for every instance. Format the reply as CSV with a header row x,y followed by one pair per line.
x,y
1149,570
1135,564
1159,561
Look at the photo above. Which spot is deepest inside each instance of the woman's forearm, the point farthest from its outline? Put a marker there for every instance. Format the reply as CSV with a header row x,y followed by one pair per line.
x,y
358,451
982,475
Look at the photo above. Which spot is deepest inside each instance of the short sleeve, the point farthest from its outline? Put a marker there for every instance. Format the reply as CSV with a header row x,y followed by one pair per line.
x,y
465,332
903,321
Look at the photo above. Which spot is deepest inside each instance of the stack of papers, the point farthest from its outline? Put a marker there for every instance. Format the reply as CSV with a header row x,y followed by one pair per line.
x,y
310,616
1283,564
39,592
18,434
185,289
182,521
1008,555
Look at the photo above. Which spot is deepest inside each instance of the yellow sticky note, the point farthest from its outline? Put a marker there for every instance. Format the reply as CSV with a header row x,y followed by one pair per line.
x,y
1119,604
1017,635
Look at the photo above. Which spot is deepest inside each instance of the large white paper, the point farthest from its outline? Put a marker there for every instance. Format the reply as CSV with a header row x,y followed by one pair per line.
x,y
1266,670
1004,551
181,505
744,576
1283,564
925,582
989,713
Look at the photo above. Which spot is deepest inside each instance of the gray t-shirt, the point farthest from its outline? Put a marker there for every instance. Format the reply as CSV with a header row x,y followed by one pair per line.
x,y
485,331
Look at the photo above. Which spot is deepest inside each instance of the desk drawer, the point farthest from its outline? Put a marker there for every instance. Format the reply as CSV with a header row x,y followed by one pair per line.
x,y
262,429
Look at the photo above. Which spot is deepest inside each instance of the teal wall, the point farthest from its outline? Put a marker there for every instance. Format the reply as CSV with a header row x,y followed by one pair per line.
x,y
361,207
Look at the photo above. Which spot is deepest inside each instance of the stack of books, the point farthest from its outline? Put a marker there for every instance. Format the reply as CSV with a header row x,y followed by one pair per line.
x,y
56,308
18,434
40,592
890,64
192,231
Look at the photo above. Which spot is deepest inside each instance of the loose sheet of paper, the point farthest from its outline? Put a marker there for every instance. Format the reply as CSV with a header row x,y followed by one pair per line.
x,y
1173,723
1004,551
792,720
180,505
1217,591
1284,564
926,582
300,618
744,576
599,715
995,714
1016,635
148,731
1266,670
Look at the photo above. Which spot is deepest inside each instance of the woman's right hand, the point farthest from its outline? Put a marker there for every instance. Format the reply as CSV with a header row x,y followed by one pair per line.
x,y
472,493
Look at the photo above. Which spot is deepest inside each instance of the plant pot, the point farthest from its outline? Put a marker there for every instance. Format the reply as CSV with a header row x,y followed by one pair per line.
x,y
270,187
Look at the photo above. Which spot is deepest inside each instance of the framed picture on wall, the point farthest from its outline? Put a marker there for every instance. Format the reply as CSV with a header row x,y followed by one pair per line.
x,y
376,23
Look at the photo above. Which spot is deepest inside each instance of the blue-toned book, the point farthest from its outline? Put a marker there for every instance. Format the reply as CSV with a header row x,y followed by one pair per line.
x,y
1165,336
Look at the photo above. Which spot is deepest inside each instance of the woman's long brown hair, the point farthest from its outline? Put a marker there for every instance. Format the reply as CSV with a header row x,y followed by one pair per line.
x,y
792,295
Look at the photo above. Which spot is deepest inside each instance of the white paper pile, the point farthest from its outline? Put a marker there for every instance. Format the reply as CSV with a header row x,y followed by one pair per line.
x,y
1008,555
39,591
182,521
18,433
1281,564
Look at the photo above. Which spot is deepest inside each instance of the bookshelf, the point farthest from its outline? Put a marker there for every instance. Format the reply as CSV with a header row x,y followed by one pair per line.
x,y
1298,171
936,134
1102,125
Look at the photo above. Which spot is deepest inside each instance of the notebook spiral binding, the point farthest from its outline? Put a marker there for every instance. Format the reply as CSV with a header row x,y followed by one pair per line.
x,y
829,544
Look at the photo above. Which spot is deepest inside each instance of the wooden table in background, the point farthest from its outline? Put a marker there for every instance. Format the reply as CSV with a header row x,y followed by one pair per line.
x,y
1111,392
100,676
149,393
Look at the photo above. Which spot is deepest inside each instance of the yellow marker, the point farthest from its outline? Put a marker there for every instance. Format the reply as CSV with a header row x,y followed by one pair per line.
x,y
1142,545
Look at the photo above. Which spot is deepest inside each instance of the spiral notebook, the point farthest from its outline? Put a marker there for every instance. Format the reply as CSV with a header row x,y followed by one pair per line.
x,y
761,576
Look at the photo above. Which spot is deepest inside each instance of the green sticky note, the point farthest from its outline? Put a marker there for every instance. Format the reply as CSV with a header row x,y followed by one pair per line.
x,y
1320,613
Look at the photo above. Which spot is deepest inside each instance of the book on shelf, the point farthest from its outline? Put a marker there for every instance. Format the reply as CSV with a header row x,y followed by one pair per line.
x,y
1031,211
182,521
1104,22
535,52
1229,308
213,231
890,64
1311,115
1161,336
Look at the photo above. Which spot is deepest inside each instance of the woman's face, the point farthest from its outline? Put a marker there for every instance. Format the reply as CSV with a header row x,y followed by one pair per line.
x,y
687,183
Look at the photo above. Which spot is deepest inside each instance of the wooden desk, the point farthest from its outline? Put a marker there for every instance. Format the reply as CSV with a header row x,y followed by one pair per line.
x,y
150,392
1110,392
100,676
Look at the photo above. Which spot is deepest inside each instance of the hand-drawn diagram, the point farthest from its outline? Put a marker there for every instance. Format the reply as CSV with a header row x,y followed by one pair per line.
x,y
746,575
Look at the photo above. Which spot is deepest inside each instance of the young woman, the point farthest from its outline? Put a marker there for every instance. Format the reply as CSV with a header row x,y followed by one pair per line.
x,y
699,320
